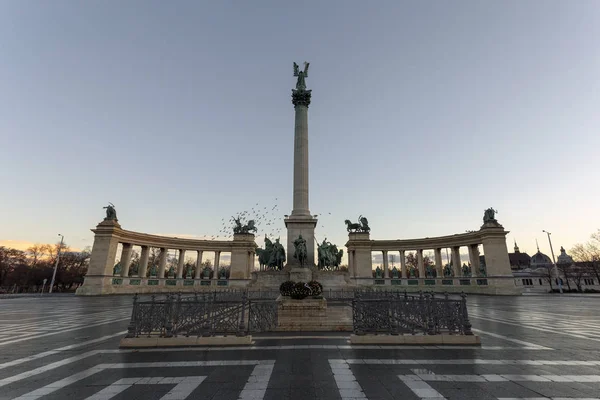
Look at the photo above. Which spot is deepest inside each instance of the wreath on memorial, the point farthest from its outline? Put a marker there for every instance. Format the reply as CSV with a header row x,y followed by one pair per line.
x,y
316,288
285,289
300,291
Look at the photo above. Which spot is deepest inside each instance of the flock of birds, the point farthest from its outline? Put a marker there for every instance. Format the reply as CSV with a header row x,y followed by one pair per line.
x,y
267,219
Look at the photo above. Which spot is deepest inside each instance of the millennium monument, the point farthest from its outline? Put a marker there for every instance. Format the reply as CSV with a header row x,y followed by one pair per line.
x,y
301,222
158,270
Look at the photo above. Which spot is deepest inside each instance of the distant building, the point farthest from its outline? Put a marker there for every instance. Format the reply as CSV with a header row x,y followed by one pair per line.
x,y
564,258
519,260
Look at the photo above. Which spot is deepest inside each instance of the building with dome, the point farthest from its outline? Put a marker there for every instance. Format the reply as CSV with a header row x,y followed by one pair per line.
x,y
518,260
535,273
564,258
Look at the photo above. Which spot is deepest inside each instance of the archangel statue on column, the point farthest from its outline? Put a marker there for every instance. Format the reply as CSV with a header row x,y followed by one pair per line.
x,y
301,83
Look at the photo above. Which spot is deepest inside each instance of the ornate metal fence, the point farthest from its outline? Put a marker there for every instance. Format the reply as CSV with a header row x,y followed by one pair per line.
x,y
202,314
395,313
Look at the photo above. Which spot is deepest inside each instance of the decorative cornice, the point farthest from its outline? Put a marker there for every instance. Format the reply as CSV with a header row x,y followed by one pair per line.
x,y
144,239
301,97
461,239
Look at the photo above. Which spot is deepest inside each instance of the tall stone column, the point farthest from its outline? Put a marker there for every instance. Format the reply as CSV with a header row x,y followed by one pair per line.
x,y
198,265
386,267
438,262
403,270
301,222
420,264
144,261
474,259
126,259
162,262
217,261
180,263
456,261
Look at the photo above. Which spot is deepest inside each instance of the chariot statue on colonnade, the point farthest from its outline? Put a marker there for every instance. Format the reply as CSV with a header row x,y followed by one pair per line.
x,y
248,228
361,226
489,215
111,212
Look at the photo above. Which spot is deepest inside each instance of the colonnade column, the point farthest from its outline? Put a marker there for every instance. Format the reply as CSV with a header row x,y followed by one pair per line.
x,y
351,265
456,261
126,259
162,262
474,259
250,264
420,265
144,261
438,262
386,269
180,264
198,264
403,271
217,259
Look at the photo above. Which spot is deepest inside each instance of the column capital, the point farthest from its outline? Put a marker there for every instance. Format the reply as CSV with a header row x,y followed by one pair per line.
x,y
301,97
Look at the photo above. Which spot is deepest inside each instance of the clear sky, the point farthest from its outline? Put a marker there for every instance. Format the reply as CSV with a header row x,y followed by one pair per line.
x,y
423,114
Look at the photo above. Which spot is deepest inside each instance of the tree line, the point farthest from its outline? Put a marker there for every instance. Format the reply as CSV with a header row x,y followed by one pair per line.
x,y
25,271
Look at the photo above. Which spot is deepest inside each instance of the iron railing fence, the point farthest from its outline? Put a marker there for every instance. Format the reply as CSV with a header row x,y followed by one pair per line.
x,y
202,314
240,312
397,313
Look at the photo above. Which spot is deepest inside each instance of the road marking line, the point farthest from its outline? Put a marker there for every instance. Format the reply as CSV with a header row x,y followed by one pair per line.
x,y
524,325
345,380
427,375
56,351
185,385
528,344
266,367
63,331
420,388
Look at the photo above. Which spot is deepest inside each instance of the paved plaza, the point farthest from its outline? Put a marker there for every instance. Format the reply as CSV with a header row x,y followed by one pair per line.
x,y
534,347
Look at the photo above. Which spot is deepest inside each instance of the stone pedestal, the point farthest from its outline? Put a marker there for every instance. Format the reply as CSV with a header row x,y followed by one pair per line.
x,y
310,315
359,243
300,274
102,260
240,256
296,226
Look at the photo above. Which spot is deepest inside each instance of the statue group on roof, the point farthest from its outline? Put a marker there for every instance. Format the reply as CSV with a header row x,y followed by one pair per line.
x,y
361,226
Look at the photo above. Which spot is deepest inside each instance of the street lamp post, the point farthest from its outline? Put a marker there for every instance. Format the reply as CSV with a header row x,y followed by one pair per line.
x,y
56,264
554,261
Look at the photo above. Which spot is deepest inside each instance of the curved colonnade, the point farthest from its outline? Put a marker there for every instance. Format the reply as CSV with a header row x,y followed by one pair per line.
x,y
496,278
108,235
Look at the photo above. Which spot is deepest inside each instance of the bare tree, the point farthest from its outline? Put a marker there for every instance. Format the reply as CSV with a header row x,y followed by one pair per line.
x,y
589,253
567,271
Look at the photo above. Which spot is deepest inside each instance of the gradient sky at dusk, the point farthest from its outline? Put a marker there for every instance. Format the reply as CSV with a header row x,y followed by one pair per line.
x,y
423,114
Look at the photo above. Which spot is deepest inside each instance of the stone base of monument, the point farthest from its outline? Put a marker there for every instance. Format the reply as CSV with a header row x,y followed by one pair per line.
x,y
183,341
473,340
310,315
329,279
298,274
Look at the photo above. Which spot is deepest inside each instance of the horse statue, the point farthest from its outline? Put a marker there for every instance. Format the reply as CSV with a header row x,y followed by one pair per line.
x,y
351,226
277,256
301,253
329,256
